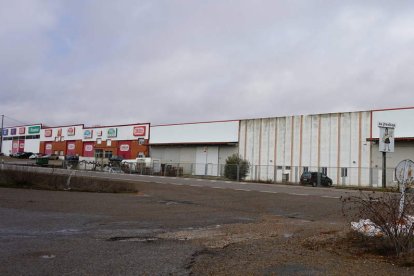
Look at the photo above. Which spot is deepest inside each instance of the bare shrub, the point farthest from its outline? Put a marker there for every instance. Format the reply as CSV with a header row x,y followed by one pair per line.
x,y
383,209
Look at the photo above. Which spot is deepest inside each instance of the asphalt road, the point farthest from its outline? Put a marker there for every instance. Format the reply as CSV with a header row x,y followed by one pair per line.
x,y
70,233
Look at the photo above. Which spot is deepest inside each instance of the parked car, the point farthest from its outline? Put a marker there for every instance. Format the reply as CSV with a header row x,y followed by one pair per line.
x,y
35,155
51,156
71,158
314,178
24,155
116,158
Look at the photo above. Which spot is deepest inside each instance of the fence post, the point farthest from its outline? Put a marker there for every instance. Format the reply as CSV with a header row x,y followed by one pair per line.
x,y
238,172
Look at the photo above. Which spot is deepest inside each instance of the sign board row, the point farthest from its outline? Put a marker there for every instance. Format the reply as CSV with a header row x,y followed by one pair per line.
x,y
21,130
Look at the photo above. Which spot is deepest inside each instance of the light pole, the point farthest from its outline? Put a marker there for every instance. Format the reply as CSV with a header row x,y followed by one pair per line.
x,y
1,134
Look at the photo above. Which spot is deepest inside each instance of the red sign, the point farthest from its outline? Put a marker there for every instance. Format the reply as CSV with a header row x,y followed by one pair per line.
x,y
48,133
71,131
59,132
139,130
22,130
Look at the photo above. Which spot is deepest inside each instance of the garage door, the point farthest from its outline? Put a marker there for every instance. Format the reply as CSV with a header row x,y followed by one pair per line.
x,y
48,148
71,148
124,149
88,149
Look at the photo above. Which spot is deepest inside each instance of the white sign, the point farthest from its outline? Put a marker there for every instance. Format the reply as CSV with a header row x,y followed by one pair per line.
x,y
88,148
404,172
71,146
386,137
386,124
124,148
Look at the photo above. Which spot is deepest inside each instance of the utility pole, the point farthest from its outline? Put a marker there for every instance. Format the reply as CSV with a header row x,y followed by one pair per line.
x,y
1,134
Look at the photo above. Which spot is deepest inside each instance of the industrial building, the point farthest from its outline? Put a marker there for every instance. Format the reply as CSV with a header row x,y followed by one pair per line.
x,y
344,146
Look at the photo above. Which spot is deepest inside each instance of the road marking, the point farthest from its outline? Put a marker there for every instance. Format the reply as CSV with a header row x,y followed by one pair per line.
x,y
228,181
336,197
199,179
213,180
243,190
298,194
178,184
193,185
270,192
216,187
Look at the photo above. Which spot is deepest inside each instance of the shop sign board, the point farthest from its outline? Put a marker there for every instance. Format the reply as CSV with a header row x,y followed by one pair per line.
x,y
13,131
99,133
386,138
22,130
124,148
71,146
88,133
112,132
34,129
5,131
139,130
71,131
48,146
59,133
88,148
48,133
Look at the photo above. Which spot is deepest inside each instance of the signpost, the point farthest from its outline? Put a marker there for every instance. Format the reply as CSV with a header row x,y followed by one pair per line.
x,y
386,144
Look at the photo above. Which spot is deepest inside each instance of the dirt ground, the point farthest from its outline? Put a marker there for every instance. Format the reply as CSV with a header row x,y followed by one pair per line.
x,y
177,230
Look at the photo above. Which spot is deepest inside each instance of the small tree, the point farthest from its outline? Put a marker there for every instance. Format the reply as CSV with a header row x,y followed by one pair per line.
x,y
236,167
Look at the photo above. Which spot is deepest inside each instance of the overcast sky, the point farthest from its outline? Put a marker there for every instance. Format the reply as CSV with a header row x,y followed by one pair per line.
x,y
116,62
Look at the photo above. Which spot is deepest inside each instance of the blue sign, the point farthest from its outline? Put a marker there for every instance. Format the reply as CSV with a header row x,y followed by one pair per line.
x,y
5,131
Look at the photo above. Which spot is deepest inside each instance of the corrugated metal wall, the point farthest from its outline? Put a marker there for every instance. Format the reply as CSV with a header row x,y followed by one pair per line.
x,y
285,145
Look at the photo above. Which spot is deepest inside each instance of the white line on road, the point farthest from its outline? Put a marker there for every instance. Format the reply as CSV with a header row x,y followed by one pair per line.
x,y
298,194
193,185
336,197
243,190
199,179
215,187
270,192
213,180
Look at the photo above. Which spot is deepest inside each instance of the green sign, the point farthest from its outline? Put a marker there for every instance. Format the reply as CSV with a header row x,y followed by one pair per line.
x,y
34,129
112,132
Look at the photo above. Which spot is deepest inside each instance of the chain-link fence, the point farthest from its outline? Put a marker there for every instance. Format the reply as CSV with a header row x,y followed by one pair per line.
x,y
316,176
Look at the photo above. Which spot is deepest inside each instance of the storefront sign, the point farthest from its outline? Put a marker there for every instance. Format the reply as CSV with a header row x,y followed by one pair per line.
x,y
48,146
5,131
22,130
71,131
13,131
112,132
34,129
88,133
71,146
88,148
59,133
139,130
48,133
99,133
124,148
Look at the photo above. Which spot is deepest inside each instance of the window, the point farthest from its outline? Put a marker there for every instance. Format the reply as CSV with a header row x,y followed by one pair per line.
x,y
279,167
98,153
305,169
108,142
99,141
287,167
108,154
141,155
141,141
344,172
325,170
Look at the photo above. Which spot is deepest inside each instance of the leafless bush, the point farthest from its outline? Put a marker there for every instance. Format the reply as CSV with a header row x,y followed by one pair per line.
x,y
383,209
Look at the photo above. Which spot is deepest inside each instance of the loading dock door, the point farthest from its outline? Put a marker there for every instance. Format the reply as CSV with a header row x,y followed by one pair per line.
x,y
207,161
